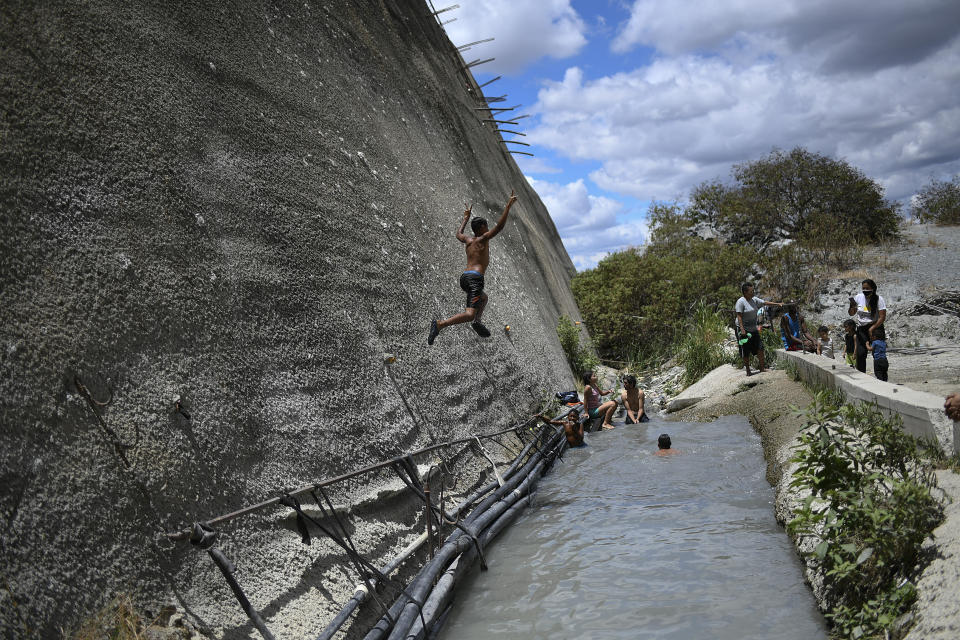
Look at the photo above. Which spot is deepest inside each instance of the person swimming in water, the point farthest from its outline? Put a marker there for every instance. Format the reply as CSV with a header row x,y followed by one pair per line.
x,y
663,446
471,280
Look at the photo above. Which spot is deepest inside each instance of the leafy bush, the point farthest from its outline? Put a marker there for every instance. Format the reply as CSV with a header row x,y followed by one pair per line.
x,y
871,506
938,202
579,356
700,349
636,303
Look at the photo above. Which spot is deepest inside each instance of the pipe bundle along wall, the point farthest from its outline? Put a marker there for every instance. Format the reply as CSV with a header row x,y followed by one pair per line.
x,y
485,522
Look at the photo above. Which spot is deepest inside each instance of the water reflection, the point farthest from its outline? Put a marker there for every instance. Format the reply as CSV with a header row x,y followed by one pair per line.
x,y
625,544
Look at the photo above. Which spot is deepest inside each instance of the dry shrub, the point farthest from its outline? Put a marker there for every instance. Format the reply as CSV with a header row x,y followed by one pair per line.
x,y
118,620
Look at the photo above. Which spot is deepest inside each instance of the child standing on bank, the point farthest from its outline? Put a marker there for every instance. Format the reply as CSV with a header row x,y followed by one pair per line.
x,y
824,343
850,342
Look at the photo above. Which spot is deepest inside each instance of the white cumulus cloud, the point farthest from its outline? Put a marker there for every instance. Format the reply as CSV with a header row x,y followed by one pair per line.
x,y
525,31
590,226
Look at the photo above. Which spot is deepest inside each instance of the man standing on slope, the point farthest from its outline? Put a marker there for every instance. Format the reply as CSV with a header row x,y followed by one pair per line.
x,y
471,280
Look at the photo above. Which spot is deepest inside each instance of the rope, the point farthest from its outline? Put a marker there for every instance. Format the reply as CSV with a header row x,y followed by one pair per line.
x,y
112,436
492,466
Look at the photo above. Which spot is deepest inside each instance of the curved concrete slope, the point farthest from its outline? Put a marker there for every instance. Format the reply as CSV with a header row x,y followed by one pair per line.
x,y
921,412
241,206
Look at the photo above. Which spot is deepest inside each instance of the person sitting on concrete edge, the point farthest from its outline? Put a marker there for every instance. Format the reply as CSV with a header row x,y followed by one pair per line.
x,y
850,342
824,343
747,307
471,280
664,446
793,331
951,406
870,311
632,400
572,427
591,400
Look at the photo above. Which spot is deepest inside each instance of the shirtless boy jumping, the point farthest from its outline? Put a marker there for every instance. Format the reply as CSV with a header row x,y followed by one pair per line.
x,y
471,280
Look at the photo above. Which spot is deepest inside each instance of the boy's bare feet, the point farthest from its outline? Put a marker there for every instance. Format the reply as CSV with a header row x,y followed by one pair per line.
x,y
434,330
481,330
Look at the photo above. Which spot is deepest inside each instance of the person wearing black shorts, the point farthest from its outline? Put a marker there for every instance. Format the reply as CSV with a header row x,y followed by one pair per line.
x,y
471,280
747,308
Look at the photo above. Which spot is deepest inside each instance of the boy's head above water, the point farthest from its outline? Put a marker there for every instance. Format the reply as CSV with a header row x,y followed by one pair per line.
x,y
663,441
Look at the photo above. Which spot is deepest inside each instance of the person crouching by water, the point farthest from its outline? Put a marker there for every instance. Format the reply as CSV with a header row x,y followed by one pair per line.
x,y
663,446
572,427
632,399
747,307
793,331
591,400
870,311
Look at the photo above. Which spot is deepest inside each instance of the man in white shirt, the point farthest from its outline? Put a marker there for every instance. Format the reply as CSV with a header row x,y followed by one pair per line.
x,y
747,307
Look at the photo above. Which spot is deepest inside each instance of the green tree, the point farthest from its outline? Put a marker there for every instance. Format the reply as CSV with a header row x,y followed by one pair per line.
x,y
796,195
938,202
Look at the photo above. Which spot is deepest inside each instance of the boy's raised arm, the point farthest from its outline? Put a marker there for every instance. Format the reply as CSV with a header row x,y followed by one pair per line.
x,y
463,225
503,217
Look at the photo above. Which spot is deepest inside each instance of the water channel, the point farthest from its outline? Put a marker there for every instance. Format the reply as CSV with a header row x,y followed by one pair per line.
x,y
623,544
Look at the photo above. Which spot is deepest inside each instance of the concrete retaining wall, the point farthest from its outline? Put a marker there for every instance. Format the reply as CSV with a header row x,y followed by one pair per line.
x,y
922,413
241,206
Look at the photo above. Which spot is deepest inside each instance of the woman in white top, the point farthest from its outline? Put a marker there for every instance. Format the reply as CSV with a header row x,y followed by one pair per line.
x,y
870,310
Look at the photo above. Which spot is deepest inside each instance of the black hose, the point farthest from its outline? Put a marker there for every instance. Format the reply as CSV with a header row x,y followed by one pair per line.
x,y
485,514
361,594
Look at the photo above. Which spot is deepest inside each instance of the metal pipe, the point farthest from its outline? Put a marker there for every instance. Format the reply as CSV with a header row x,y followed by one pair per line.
x,y
523,153
185,534
478,62
438,11
515,133
526,144
227,569
489,82
470,44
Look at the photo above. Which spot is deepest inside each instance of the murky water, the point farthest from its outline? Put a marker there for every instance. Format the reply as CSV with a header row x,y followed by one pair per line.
x,y
624,544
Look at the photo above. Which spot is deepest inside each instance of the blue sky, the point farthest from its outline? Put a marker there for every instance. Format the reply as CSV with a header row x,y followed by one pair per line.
x,y
633,101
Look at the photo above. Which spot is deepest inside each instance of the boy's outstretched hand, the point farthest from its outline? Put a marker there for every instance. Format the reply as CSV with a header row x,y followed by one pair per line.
x,y
513,197
469,208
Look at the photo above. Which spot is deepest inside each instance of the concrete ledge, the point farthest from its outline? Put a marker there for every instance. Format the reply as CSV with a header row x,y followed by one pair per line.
x,y
921,412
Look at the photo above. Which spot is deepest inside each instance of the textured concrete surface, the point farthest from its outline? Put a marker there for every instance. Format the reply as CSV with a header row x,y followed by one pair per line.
x,y
240,207
921,412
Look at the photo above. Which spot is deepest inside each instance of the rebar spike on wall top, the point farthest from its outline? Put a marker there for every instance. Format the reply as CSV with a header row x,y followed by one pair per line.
x,y
489,81
453,6
478,61
464,47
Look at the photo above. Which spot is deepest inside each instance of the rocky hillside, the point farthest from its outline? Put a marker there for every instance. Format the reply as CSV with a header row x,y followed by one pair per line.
x,y
217,220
